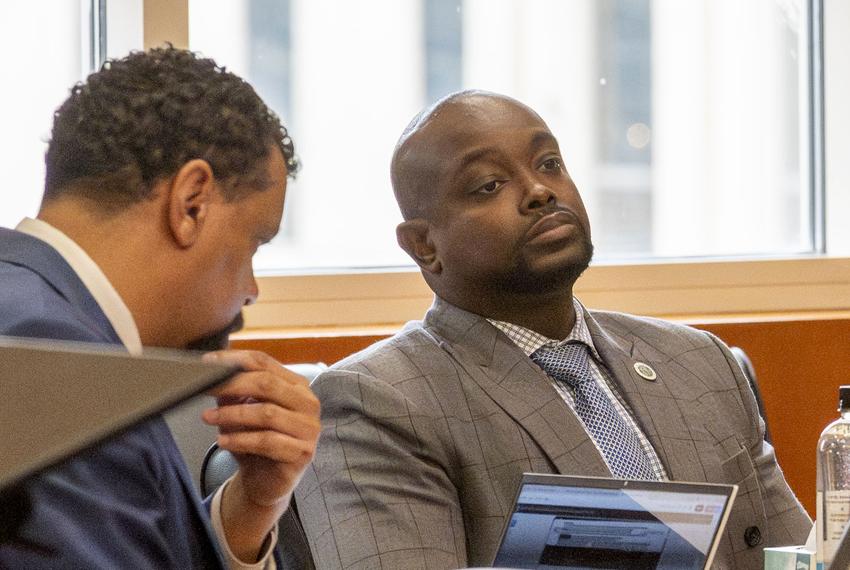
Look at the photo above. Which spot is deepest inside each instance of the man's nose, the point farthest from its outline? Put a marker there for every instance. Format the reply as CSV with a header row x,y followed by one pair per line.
x,y
537,195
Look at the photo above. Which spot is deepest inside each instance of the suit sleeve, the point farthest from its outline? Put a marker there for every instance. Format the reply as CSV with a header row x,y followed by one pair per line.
x,y
788,523
379,493
95,511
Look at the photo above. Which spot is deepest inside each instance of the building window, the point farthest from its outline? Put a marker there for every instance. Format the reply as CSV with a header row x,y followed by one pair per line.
x,y
683,122
37,76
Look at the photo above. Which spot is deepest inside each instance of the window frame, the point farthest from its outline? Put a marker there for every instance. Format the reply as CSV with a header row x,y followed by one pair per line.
x,y
814,285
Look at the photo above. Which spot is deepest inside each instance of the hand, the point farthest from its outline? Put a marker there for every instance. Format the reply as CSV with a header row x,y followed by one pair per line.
x,y
269,419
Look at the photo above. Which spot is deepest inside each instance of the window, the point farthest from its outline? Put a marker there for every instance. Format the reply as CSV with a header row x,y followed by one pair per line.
x,y
42,57
37,75
684,123
689,126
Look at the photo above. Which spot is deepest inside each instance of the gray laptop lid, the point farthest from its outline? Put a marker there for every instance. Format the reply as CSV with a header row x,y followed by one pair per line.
x,y
562,521
59,398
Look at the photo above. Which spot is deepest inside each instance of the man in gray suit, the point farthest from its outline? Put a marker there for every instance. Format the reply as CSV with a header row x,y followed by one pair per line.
x,y
426,435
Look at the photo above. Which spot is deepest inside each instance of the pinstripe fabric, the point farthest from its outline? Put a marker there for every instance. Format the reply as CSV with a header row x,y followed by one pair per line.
x,y
426,435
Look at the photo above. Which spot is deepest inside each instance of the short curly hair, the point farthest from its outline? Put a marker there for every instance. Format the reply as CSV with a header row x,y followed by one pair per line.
x,y
140,118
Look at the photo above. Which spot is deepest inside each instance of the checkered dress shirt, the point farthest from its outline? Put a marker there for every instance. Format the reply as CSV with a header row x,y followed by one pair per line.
x,y
529,341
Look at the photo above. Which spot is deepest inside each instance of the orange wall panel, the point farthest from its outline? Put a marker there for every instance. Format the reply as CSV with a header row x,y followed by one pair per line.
x,y
800,365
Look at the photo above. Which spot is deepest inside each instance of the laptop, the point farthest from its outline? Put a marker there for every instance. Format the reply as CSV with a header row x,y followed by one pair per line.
x,y
561,521
59,398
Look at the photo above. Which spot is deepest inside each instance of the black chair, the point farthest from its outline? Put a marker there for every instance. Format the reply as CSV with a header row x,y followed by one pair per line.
x,y
219,465
750,373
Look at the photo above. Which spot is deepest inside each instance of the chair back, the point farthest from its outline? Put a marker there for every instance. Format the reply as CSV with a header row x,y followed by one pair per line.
x,y
750,373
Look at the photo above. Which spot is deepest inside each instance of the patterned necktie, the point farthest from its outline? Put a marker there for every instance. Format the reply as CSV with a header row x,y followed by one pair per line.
x,y
618,442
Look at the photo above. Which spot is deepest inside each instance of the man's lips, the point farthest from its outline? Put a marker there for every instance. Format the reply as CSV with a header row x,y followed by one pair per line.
x,y
551,227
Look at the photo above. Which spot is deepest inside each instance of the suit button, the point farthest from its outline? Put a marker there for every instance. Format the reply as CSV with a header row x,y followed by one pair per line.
x,y
752,536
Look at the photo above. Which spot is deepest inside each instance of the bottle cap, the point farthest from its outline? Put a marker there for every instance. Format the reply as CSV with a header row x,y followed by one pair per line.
x,y
843,398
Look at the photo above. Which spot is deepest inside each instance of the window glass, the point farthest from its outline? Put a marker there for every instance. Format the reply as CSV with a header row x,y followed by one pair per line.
x,y
682,121
38,68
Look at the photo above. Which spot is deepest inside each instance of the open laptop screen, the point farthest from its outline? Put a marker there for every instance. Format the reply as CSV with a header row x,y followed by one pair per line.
x,y
587,522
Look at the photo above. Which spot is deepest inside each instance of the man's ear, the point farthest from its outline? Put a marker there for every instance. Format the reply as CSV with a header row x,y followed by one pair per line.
x,y
414,237
191,192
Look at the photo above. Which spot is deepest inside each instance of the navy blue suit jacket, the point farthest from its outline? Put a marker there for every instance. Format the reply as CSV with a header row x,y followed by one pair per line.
x,y
128,503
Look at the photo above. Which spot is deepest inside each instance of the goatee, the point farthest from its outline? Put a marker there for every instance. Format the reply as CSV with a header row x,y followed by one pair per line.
x,y
218,340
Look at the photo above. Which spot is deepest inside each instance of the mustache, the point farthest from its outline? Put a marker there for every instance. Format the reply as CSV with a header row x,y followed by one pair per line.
x,y
553,208
220,339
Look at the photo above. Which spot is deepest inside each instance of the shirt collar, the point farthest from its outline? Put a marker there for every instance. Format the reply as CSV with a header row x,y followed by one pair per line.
x,y
93,278
530,341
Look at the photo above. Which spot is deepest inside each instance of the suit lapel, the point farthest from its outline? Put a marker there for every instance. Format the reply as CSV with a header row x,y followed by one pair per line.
x,y
26,251
671,427
518,387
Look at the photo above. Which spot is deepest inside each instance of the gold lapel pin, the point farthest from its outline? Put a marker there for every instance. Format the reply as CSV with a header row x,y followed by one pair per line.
x,y
645,371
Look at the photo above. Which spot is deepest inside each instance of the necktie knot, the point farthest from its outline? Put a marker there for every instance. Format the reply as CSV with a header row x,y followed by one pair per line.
x,y
565,362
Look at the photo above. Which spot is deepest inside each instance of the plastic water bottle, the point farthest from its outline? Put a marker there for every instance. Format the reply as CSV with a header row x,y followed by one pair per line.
x,y
833,481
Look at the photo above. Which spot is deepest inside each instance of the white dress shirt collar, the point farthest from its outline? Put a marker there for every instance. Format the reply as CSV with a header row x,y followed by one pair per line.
x,y
92,277
529,341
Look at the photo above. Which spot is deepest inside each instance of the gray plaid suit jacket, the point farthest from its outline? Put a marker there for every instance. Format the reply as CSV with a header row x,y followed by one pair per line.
x,y
426,435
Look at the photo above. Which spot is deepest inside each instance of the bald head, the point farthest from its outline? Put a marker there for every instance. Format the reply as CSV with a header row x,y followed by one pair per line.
x,y
492,216
428,142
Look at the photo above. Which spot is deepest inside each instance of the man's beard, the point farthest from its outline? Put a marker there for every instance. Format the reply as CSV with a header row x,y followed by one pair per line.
x,y
523,280
217,340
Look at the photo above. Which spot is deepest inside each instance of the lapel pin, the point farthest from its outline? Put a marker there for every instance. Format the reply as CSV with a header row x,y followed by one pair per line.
x,y
645,371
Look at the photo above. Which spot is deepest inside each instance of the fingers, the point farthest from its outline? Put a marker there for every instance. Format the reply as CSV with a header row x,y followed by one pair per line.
x,y
266,410
264,416
269,418
252,360
271,445
282,387
247,359
263,400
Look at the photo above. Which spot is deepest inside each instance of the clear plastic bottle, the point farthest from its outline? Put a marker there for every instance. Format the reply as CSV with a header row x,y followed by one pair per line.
x,y
833,481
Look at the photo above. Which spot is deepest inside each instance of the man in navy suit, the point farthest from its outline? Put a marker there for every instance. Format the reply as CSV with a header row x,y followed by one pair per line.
x,y
164,175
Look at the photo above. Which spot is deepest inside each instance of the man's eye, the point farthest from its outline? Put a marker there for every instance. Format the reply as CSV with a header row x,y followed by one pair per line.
x,y
490,187
552,164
